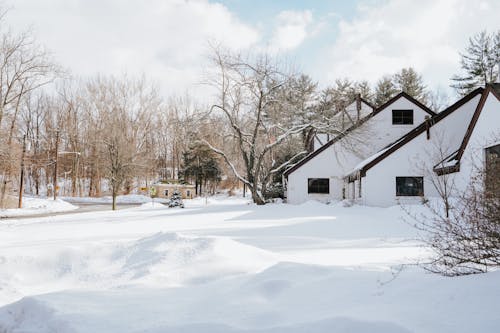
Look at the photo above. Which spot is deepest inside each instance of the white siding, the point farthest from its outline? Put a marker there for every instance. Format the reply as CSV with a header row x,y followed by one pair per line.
x,y
485,133
417,158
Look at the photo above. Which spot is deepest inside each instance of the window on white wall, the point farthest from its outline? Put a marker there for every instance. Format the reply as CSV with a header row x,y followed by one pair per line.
x,y
492,170
493,154
409,186
318,185
402,117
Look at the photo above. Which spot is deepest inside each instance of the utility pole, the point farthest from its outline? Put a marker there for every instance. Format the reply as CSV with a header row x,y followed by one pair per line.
x,y
21,182
55,165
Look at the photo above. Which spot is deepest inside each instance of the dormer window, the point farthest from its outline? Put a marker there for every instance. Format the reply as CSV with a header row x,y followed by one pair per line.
x,y
402,117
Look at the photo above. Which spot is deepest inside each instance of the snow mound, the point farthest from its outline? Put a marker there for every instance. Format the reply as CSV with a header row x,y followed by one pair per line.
x,y
162,259
152,205
172,259
31,316
34,206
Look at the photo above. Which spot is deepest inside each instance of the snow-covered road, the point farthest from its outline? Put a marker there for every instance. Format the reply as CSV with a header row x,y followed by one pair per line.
x,y
230,266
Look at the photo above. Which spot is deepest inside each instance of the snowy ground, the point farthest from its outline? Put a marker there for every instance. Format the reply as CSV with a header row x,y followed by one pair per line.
x,y
36,206
121,199
227,266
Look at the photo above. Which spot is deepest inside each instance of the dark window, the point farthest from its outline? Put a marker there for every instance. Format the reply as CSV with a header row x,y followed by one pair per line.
x,y
492,171
318,185
409,186
402,117
493,152
166,193
188,193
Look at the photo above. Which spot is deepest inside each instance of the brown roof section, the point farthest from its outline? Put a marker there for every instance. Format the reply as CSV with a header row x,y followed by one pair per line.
x,y
419,130
408,97
366,102
361,121
495,90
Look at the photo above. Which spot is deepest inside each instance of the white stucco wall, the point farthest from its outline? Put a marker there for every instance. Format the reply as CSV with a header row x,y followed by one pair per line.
x,y
416,159
338,159
486,133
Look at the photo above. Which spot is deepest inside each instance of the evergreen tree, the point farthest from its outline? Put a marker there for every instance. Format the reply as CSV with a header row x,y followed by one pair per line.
x,y
176,200
384,90
406,80
200,165
480,63
410,82
294,103
364,89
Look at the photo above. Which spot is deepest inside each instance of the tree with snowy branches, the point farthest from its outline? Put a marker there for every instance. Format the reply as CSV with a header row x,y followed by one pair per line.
x,y
247,98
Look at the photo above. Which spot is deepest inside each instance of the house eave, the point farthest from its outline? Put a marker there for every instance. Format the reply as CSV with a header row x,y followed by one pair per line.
x,y
441,171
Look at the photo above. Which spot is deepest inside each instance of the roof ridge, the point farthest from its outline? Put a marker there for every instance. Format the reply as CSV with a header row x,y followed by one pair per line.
x,y
408,97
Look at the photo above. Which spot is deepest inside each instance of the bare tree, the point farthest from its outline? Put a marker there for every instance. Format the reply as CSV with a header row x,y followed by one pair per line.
x,y
125,109
24,67
246,97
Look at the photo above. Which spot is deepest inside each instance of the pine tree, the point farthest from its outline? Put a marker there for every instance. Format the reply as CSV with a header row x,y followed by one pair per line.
x,y
364,89
480,63
410,82
200,165
176,200
384,90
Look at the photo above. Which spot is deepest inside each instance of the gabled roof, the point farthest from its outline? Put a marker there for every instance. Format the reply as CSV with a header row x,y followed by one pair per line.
x,y
388,150
452,163
408,97
358,124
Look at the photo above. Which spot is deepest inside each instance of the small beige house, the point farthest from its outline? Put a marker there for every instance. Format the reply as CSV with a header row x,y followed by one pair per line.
x,y
165,190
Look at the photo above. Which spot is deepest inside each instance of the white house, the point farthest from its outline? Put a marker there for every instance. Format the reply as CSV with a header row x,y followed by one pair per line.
x,y
321,174
449,142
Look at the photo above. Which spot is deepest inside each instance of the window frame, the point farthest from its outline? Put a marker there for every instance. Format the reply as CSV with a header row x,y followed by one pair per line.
x,y
323,188
406,193
402,118
492,150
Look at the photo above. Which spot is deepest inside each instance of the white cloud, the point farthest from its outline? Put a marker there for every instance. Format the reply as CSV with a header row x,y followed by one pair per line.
x,y
427,35
293,27
166,40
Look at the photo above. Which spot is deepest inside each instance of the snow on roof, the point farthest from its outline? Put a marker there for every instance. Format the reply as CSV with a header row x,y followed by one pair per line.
x,y
366,161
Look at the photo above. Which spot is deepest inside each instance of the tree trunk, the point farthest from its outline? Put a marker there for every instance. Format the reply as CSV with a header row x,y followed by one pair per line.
x,y
113,207
256,197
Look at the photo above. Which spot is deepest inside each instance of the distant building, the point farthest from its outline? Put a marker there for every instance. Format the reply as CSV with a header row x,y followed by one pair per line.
x,y
165,189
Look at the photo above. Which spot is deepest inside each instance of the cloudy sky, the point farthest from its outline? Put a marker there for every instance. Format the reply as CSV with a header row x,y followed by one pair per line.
x,y
327,39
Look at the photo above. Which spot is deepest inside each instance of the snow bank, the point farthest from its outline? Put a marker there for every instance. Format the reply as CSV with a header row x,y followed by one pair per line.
x,y
35,206
121,199
162,259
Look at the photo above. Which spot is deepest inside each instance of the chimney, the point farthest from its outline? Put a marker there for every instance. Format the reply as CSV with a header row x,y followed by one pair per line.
x,y
428,126
358,105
